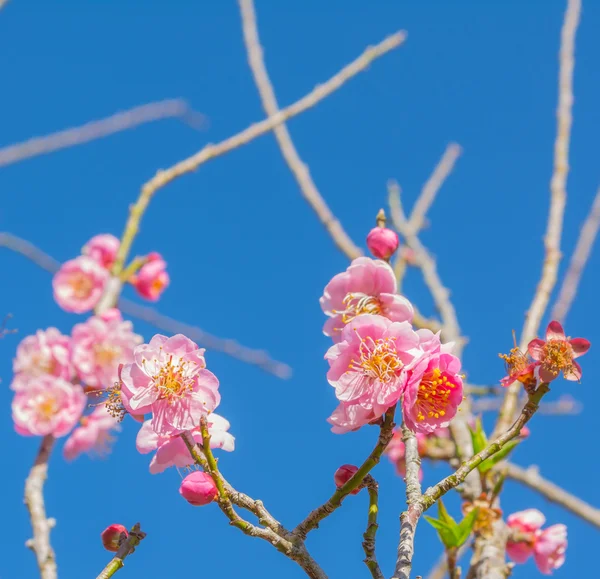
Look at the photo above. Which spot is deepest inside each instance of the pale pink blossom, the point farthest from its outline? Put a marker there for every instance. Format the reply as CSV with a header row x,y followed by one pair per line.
x,y
172,451
78,284
45,352
198,489
368,286
93,435
557,354
99,345
382,242
368,368
433,393
526,523
103,249
152,279
550,548
168,378
49,405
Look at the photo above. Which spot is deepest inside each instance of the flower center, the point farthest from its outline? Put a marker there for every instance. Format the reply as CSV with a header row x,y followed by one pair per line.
x,y
47,407
359,303
432,396
558,355
43,364
378,359
172,380
519,367
81,285
106,354
158,284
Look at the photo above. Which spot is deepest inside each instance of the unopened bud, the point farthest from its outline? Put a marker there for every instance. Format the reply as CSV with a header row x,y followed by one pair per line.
x,y
344,474
198,489
111,537
382,242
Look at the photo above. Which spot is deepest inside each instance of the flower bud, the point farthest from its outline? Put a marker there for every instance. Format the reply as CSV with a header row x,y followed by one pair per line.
x,y
198,489
344,474
152,279
111,537
382,242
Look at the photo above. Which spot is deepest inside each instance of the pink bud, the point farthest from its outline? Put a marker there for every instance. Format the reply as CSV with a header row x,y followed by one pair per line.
x,y
198,489
152,279
154,256
110,315
344,474
382,242
525,432
111,537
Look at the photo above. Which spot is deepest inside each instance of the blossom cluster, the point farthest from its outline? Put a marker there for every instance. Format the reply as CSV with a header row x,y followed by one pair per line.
x,y
79,283
378,359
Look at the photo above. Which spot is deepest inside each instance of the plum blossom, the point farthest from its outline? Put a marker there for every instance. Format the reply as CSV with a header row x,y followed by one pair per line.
x,y
172,451
550,548
368,369
168,378
78,284
368,286
152,279
557,353
49,405
103,249
93,435
520,368
100,344
382,242
45,352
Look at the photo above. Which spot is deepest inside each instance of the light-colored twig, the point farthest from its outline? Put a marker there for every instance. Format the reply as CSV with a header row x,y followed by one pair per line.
x,y
371,532
558,198
40,523
127,548
555,494
97,129
565,405
230,347
585,242
298,168
164,177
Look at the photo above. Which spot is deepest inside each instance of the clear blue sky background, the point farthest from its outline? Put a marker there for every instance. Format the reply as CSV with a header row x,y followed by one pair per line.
x,y
248,259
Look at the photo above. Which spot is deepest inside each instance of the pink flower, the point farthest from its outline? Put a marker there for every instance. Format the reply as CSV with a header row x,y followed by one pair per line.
x,y
48,405
169,379
92,435
396,452
368,286
550,548
99,345
343,474
557,353
433,393
103,249
526,523
382,242
198,489
152,279
45,352
111,537
78,284
172,451
368,369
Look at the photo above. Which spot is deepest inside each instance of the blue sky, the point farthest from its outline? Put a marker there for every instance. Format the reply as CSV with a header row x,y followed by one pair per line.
x,y
248,259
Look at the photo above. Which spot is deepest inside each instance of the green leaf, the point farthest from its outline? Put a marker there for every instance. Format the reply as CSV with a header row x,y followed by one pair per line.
x,y
496,458
444,516
448,534
478,437
465,527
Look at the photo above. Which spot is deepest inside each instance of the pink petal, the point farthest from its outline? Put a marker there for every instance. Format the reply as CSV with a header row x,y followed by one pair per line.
x,y
575,375
580,346
555,331
147,439
536,348
546,375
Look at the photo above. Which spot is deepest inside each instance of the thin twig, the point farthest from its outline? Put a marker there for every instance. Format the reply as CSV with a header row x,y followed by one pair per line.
x,y
127,548
531,477
150,315
558,198
565,405
164,177
580,256
40,523
372,526
94,130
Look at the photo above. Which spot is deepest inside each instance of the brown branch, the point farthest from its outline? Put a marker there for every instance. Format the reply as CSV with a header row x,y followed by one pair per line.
x,y
230,347
558,198
580,256
40,523
531,477
97,130
127,548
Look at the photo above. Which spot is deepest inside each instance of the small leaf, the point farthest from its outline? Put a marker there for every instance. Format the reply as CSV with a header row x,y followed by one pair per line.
x,y
444,516
465,527
478,437
447,533
496,458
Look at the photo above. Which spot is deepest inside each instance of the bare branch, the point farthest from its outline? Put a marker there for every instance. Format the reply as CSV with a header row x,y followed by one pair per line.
x,y
558,198
565,405
127,548
372,526
97,130
41,524
531,477
570,283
